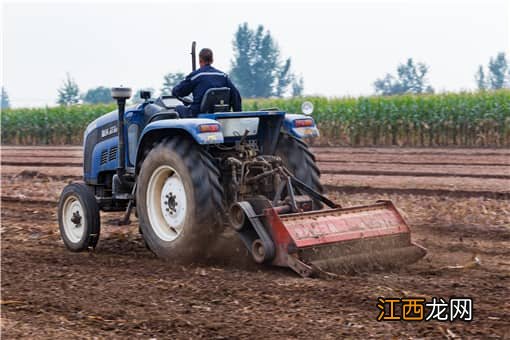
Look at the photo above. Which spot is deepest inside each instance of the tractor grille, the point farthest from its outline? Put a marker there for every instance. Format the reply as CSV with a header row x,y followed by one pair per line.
x,y
113,154
104,156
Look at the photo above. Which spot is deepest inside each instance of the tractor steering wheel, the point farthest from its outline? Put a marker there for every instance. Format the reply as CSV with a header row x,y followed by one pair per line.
x,y
186,100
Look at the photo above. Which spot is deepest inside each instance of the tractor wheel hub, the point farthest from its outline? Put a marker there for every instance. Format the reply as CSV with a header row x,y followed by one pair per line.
x,y
166,200
73,219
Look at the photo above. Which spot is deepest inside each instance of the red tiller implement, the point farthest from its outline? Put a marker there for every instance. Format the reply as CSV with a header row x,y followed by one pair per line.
x,y
334,240
349,239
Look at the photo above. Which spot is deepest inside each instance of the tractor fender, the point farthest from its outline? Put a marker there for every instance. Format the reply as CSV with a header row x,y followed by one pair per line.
x,y
299,132
160,129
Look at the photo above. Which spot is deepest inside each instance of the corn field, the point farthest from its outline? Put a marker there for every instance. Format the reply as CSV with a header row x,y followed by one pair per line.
x,y
463,119
49,126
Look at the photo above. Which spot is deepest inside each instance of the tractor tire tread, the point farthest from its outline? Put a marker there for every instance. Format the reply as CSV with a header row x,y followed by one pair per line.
x,y
208,193
91,209
299,160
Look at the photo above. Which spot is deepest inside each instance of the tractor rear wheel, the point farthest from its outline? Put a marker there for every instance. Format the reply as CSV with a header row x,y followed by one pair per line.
x,y
179,200
78,217
300,161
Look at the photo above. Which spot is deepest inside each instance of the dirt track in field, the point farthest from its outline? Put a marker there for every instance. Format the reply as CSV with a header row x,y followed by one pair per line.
x,y
121,290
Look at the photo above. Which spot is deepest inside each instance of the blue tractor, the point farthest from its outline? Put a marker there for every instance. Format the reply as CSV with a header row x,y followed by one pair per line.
x,y
190,178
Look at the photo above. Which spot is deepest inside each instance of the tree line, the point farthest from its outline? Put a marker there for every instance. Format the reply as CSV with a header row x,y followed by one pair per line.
x,y
411,77
259,71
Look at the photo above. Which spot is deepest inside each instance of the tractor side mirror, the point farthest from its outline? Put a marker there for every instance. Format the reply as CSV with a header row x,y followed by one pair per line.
x,y
145,95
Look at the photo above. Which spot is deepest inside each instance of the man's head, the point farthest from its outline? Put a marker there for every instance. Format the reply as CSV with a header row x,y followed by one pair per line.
x,y
205,57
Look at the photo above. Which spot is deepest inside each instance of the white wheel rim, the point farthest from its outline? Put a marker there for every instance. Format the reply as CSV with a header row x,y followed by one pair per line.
x,y
73,219
166,203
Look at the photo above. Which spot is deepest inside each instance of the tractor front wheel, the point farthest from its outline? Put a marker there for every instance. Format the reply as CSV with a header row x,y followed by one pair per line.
x,y
78,217
179,200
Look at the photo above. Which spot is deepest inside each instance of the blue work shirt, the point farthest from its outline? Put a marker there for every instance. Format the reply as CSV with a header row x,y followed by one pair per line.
x,y
199,81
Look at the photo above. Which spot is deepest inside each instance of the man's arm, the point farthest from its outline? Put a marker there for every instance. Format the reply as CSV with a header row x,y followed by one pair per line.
x,y
235,97
184,88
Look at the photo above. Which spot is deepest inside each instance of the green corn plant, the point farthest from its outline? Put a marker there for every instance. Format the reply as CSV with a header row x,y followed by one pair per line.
x,y
447,119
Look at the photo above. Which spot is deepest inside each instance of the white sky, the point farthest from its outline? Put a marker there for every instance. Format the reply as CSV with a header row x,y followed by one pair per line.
x,y
340,47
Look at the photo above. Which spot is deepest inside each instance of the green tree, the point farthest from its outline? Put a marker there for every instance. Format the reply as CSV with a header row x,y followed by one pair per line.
x,y
69,93
5,99
257,68
98,95
497,74
170,80
410,78
498,71
298,87
481,82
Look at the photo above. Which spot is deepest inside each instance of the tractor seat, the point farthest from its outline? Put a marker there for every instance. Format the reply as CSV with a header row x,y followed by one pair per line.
x,y
216,100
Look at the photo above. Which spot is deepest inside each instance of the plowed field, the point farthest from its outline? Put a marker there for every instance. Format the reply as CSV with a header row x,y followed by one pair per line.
x,y
455,200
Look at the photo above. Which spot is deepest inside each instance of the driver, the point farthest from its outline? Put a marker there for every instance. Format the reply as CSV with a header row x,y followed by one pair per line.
x,y
199,81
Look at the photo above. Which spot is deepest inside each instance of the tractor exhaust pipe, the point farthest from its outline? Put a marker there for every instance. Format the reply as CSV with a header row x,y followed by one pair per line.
x,y
193,56
121,94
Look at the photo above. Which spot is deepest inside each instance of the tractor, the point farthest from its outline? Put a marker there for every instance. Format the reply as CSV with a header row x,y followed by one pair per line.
x,y
190,178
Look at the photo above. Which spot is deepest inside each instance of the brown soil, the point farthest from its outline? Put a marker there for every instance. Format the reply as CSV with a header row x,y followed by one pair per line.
x,y
364,168
426,183
43,171
396,158
121,290
27,152
42,161
362,182
413,151
417,170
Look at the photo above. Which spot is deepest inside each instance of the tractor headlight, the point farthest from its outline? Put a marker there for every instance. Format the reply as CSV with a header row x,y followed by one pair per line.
x,y
307,108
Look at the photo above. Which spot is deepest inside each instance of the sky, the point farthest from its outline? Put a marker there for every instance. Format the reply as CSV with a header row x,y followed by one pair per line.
x,y
339,47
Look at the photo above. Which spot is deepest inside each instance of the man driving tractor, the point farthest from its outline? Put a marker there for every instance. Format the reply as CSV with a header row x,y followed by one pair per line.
x,y
199,81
